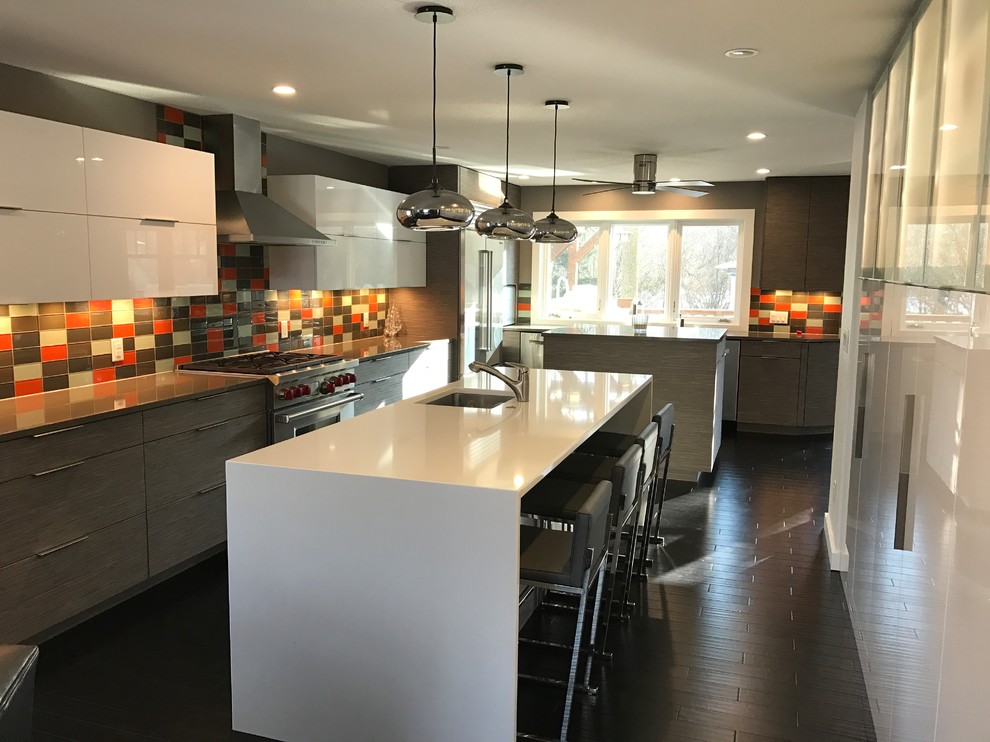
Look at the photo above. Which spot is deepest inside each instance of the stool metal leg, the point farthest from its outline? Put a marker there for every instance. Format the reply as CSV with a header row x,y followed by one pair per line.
x,y
594,625
575,656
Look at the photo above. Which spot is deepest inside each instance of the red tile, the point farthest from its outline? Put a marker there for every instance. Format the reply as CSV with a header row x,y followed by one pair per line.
x,y
77,319
338,329
273,346
833,309
228,274
143,303
764,321
229,309
258,284
258,340
130,358
257,318
214,346
197,310
356,318
755,291
754,312
31,386
228,250
214,333
373,306
782,307
264,159
799,315
100,305
123,331
103,374
54,353
317,341
183,359
307,313
174,115
267,273
814,331
6,343
161,137
523,307
162,326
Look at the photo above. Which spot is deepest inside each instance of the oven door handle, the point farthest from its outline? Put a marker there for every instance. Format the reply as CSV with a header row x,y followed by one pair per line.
x,y
285,419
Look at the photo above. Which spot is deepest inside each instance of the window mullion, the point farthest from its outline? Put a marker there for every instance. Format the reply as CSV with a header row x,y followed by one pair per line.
x,y
604,273
673,271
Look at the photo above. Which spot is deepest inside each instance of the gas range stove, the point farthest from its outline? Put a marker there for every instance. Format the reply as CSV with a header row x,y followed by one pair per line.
x,y
303,385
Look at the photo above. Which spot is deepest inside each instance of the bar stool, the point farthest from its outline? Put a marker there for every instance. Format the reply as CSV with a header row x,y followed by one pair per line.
x,y
559,496
570,562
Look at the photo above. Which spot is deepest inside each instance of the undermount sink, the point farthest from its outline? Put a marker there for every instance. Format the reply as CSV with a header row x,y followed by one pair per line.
x,y
479,400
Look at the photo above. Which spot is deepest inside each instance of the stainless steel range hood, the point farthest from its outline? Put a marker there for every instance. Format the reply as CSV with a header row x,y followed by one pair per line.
x,y
243,213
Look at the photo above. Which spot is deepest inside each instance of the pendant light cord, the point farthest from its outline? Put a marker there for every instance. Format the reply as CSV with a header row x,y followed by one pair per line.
x,y
508,89
436,183
553,192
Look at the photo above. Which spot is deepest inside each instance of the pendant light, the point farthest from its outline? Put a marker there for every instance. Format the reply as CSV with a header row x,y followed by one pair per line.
x,y
505,221
552,228
435,209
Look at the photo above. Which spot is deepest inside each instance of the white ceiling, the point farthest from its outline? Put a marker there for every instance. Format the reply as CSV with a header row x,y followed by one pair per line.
x,y
642,75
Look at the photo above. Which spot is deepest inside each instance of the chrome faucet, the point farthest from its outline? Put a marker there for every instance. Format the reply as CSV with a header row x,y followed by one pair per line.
x,y
519,387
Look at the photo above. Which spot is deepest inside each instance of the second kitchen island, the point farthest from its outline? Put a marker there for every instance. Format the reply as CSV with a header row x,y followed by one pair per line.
x,y
374,564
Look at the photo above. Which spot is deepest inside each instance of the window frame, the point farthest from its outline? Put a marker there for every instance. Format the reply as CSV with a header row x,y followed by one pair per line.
x,y
745,219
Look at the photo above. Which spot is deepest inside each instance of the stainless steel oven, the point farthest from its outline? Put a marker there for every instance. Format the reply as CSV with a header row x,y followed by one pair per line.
x,y
306,418
308,391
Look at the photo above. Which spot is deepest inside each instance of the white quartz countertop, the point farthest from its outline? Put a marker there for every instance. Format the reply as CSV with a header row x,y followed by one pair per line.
x,y
507,448
652,331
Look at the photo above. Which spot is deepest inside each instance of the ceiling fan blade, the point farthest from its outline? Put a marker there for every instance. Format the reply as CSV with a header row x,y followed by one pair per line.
x,y
603,182
622,187
678,183
681,191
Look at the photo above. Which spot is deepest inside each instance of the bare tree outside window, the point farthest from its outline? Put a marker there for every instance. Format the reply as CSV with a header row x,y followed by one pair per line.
x,y
708,269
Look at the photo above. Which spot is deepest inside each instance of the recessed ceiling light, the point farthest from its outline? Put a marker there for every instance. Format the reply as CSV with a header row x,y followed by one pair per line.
x,y
763,171
284,90
948,127
673,180
898,167
330,188
80,159
522,177
741,53
756,136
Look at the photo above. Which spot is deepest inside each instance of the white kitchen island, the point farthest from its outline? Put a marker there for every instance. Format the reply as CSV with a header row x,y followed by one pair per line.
x,y
374,563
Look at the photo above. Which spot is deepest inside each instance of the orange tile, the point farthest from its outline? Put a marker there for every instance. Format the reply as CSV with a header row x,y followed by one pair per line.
x,y
143,303
197,310
183,359
799,315
814,331
764,320
257,340
161,137
295,303
523,307
307,313
54,352
101,305
162,326
229,309
6,343
228,274
228,250
356,318
214,346
29,404
273,346
833,309
295,293
130,358
338,329
258,284
103,374
782,307
755,291
77,319
214,333
257,318
173,115
31,386
123,331
754,312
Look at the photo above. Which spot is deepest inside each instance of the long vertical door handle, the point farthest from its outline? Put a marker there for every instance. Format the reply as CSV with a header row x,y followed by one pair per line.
x,y
904,475
482,339
491,291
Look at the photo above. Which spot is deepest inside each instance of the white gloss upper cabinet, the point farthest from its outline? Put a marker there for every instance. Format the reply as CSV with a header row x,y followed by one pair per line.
x,y
131,258
43,167
139,179
379,263
45,257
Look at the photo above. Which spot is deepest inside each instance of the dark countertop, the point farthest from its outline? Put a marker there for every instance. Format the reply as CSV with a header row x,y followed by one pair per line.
x,y
762,335
84,403
655,332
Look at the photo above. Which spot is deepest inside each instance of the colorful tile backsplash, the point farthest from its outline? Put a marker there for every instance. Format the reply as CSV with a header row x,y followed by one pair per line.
x,y
61,344
808,312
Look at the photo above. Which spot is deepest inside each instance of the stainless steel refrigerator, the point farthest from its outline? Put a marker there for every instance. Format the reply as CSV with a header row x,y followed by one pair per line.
x,y
488,297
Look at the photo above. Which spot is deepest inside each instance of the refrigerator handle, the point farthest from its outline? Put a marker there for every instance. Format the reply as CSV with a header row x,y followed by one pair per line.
x,y
489,314
485,288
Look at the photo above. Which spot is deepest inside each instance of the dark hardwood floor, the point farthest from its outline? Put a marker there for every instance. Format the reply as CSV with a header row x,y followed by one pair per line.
x,y
741,634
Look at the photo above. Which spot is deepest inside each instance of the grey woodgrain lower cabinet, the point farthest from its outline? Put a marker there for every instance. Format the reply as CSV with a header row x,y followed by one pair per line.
x,y
184,528
768,390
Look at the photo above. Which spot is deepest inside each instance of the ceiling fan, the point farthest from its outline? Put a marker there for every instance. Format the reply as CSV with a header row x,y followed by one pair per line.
x,y
645,181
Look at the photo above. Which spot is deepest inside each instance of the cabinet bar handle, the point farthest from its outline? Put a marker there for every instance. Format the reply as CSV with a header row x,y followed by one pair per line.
x,y
901,538
211,426
66,545
58,468
210,396
11,208
210,489
54,432
158,219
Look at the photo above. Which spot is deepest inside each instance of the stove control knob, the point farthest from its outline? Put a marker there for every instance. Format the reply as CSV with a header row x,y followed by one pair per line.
x,y
326,387
285,393
305,390
352,378
297,391
341,380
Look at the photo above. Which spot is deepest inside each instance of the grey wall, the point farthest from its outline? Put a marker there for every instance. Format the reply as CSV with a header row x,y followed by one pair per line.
x,y
288,157
36,94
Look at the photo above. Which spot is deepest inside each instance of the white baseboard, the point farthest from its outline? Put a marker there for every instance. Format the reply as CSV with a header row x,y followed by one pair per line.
x,y
838,554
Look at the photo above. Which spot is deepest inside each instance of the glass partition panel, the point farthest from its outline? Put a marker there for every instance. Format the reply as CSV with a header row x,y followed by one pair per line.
x,y
954,235
918,172
893,164
874,179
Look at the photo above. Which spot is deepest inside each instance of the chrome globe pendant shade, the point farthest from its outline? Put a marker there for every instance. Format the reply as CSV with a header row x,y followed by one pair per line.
x,y
435,209
552,228
505,221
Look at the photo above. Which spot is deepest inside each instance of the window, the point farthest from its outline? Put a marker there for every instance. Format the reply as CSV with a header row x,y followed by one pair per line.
x,y
675,265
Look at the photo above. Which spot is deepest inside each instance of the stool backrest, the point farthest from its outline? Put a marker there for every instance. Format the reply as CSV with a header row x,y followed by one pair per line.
x,y
649,439
625,478
591,530
665,420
